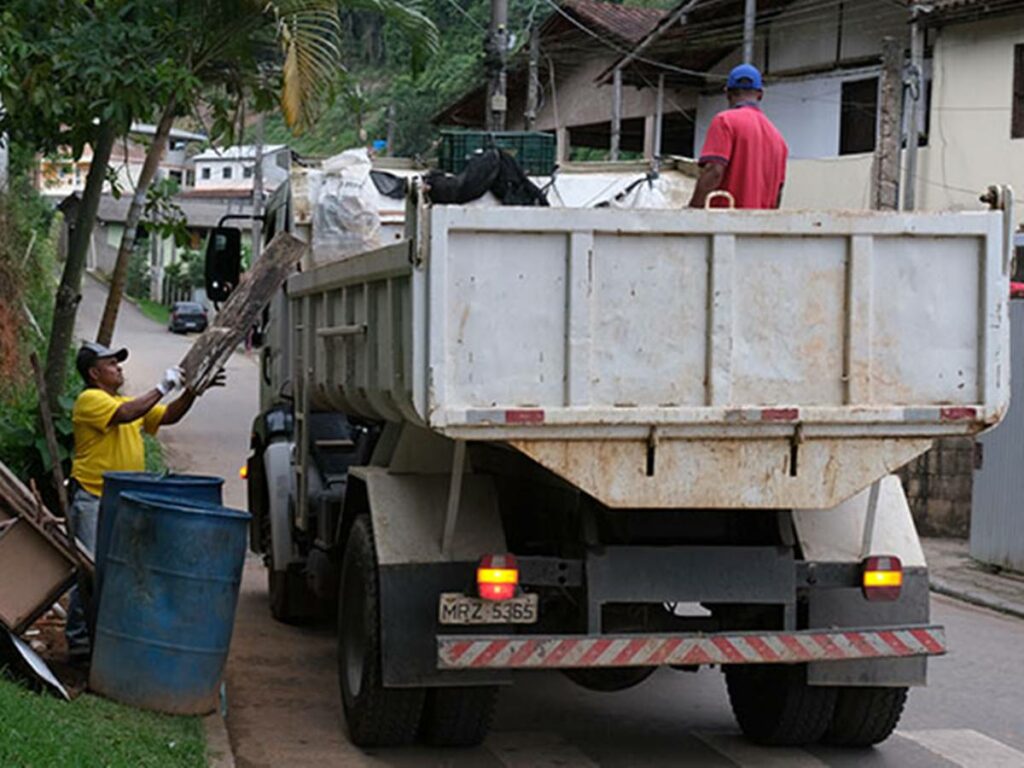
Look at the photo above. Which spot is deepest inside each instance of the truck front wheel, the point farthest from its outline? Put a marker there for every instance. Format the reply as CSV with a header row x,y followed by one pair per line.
x,y
865,716
376,716
775,706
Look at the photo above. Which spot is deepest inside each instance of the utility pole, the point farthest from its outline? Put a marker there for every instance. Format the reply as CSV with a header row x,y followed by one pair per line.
x,y
749,18
613,154
390,150
915,85
257,193
532,85
885,180
495,58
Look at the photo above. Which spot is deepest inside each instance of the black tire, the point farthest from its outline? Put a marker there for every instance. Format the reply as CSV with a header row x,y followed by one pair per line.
x,y
609,680
775,706
291,601
865,716
458,717
376,716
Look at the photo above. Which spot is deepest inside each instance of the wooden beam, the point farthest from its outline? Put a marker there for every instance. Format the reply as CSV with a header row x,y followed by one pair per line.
x,y
212,350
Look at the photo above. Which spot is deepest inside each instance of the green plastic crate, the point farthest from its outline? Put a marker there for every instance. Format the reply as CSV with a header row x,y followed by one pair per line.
x,y
533,150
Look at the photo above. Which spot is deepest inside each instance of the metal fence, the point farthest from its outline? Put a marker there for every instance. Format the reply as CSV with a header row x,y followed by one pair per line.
x,y
997,516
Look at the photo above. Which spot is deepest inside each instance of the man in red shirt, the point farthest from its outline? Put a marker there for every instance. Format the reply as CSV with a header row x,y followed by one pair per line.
x,y
744,154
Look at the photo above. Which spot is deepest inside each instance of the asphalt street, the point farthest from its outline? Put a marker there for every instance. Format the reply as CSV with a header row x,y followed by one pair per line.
x,y
283,702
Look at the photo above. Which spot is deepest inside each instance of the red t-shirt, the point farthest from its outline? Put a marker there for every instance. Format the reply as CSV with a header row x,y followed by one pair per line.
x,y
753,153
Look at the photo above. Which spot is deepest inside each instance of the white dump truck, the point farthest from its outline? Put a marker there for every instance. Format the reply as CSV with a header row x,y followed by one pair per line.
x,y
603,441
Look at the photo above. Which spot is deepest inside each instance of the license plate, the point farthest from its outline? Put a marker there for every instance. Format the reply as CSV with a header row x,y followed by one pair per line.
x,y
455,608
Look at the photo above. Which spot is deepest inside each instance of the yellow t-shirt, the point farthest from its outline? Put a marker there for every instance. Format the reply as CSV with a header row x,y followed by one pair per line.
x,y
100,447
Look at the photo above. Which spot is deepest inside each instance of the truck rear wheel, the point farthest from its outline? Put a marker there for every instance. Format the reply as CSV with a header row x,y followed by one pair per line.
x,y
608,680
376,716
458,717
775,706
865,716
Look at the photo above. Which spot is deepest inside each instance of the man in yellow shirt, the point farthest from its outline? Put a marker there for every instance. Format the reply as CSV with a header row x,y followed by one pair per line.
x,y
108,438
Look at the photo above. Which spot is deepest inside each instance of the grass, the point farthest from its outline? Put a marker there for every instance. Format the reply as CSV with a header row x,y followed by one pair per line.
x,y
155,461
155,311
41,731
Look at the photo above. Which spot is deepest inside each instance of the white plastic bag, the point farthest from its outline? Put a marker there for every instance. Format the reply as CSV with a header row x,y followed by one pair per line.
x,y
346,219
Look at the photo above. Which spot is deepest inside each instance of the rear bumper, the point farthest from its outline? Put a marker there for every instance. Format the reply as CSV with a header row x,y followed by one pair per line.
x,y
574,651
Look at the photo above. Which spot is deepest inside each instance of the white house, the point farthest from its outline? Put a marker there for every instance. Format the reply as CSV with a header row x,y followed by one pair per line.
x,y
233,168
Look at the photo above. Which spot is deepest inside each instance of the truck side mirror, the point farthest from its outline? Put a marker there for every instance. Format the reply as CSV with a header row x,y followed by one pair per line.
x,y
223,262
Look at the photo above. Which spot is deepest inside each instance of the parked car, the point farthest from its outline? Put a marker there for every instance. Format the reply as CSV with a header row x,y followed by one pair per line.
x,y
187,316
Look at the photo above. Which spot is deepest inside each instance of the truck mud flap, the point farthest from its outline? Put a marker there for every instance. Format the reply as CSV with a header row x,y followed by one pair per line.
x,y
568,651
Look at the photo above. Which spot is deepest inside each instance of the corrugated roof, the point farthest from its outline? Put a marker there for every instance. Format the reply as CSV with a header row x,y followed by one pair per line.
x,y
238,152
624,22
953,10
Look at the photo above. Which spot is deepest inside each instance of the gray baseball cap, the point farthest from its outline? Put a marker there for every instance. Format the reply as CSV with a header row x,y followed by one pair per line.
x,y
90,352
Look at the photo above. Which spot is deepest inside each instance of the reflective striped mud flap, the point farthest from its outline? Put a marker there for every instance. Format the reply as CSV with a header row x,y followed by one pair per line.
x,y
568,651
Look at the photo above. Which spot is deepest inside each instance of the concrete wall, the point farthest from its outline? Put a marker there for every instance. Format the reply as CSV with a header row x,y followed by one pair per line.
x,y
969,142
806,111
939,486
840,182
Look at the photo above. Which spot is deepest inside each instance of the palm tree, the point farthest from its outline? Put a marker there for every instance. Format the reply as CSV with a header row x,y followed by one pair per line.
x,y
290,47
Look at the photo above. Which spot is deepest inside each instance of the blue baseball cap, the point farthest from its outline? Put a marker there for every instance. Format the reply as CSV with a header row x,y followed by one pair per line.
x,y
744,77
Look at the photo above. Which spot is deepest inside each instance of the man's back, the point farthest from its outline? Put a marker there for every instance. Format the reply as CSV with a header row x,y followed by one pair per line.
x,y
753,152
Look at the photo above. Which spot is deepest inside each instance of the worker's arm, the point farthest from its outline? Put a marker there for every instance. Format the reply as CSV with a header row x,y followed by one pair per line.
x,y
177,409
143,404
137,408
710,179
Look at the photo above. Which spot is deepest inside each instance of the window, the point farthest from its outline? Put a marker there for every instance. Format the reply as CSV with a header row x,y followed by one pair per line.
x,y
226,172
176,176
205,173
1017,124
858,116
247,172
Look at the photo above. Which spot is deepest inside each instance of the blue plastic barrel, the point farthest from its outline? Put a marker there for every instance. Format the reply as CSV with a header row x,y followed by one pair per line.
x,y
168,607
185,487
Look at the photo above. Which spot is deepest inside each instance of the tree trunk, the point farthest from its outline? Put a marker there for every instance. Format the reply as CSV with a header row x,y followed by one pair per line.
x,y
105,334
69,292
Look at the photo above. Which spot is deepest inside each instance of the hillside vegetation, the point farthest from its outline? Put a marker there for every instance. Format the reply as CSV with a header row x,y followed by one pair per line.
x,y
378,76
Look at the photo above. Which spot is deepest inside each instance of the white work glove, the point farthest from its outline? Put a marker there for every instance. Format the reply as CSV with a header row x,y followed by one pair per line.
x,y
174,378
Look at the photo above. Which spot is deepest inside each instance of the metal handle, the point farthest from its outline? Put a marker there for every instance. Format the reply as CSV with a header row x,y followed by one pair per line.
x,y
720,193
335,331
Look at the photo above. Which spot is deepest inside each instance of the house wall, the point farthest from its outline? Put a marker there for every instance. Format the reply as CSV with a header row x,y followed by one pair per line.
x,y
61,177
275,171
841,182
805,110
581,101
969,142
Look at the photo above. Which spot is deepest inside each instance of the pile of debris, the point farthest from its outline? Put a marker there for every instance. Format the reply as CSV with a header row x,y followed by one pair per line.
x,y
39,561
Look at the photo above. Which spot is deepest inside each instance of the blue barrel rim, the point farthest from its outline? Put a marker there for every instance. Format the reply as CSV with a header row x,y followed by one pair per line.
x,y
173,478
164,503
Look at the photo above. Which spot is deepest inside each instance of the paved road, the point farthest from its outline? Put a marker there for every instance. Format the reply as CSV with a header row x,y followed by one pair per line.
x,y
284,709
283,700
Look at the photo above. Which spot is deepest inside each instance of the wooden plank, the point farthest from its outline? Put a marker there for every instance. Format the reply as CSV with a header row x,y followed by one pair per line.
x,y
213,348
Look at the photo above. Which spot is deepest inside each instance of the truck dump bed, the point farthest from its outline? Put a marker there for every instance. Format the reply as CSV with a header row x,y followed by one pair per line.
x,y
673,358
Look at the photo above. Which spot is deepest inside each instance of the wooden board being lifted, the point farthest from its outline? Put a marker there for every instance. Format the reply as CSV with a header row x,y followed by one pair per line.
x,y
241,311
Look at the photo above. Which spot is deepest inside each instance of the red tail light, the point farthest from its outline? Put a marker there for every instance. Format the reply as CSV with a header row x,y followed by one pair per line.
x,y
882,577
497,577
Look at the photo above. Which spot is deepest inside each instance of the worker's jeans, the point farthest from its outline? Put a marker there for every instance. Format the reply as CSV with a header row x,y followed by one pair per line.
x,y
85,512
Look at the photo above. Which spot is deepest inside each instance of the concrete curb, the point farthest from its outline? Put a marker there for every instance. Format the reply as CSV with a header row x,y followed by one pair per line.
x,y
218,746
943,587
